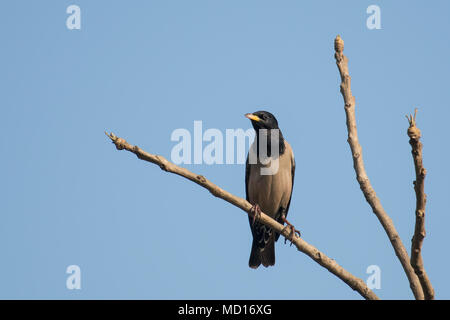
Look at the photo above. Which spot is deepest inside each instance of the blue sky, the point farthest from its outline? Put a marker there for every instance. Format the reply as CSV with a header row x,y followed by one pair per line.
x,y
142,69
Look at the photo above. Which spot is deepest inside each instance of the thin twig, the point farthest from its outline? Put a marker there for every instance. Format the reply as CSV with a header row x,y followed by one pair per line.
x,y
361,175
331,265
414,135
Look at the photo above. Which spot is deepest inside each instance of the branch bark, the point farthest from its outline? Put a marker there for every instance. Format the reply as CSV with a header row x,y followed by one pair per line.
x,y
361,175
414,135
331,265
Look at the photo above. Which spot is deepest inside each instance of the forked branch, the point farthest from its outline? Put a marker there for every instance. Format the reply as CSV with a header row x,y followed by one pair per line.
x,y
361,175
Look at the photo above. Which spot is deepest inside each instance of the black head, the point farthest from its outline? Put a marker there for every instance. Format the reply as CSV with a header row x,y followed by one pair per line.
x,y
263,120
266,120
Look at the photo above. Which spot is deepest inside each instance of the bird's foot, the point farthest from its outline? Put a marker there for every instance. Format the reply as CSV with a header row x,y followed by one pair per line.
x,y
256,211
293,231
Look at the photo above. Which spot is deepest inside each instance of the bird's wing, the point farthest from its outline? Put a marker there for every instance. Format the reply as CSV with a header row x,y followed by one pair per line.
x,y
293,175
290,197
261,233
247,197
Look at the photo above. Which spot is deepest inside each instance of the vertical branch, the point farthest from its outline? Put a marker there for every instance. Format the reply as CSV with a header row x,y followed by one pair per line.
x,y
414,135
361,175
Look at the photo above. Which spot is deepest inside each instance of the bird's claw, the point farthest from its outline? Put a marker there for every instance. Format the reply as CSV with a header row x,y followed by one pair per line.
x,y
292,233
256,210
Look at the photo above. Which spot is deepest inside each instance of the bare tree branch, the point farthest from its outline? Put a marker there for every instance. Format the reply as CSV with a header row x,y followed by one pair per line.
x,y
361,175
331,265
414,135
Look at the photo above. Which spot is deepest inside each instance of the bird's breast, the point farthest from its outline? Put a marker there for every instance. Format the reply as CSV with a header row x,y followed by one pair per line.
x,y
271,191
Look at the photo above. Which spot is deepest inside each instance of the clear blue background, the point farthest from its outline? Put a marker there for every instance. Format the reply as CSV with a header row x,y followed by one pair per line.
x,y
144,68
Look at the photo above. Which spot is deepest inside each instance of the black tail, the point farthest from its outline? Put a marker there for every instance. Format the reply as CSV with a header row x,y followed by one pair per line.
x,y
265,255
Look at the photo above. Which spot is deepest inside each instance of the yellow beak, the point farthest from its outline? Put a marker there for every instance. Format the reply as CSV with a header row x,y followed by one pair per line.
x,y
251,116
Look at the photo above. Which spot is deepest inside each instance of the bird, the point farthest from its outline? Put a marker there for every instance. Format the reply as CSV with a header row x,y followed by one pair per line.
x,y
270,193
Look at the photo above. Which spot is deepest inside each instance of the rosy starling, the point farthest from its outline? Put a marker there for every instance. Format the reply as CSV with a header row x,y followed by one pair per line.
x,y
268,184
